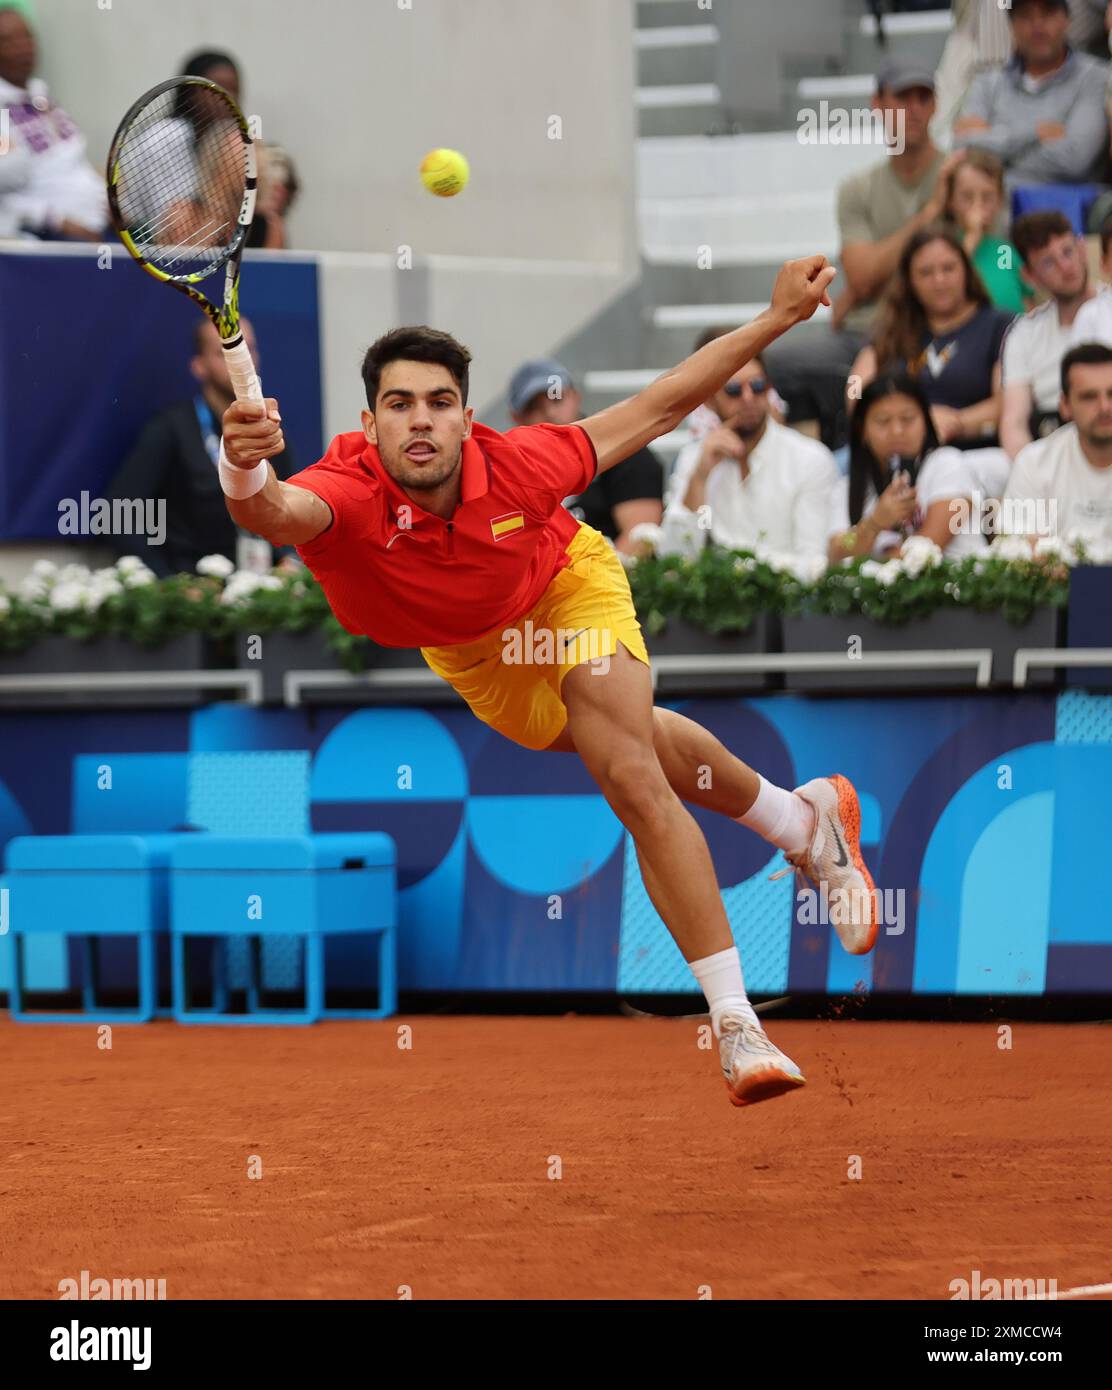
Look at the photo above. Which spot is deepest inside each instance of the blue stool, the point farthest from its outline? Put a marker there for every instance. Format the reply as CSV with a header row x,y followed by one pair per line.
x,y
305,886
88,887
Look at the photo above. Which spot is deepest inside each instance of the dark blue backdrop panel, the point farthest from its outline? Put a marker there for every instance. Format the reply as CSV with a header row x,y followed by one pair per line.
x,y
87,355
979,814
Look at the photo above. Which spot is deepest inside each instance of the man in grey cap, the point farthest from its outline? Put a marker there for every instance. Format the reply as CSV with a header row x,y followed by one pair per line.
x,y
542,393
1042,114
879,210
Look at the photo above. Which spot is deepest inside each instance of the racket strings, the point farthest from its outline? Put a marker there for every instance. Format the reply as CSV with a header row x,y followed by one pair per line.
x,y
180,176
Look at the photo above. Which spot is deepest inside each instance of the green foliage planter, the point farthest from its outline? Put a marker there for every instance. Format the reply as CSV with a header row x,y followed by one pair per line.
x,y
682,638
921,604
276,652
56,655
122,618
952,629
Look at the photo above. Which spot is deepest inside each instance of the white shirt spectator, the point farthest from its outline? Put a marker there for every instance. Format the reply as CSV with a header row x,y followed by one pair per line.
x,y
943,474
1032,354
1093,323
1055,470
15,171
781,506
59,184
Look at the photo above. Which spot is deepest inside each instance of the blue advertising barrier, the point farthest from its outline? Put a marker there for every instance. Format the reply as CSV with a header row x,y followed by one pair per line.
x,y
980,818
77,384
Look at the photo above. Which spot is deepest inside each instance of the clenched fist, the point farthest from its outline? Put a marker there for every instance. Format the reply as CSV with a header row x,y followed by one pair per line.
x,y
252,432
801,287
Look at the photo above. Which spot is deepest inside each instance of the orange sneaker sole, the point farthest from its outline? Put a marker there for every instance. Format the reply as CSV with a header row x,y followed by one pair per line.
x,y
764,1086
849,809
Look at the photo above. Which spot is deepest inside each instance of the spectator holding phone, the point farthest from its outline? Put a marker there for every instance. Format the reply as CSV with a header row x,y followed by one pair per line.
x,y
901,483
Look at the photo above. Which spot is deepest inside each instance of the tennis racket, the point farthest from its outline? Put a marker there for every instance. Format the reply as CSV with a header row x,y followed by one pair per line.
x,y
181,190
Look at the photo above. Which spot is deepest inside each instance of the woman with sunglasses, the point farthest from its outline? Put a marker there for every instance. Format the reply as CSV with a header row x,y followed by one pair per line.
x,y
749,483
938,324
901,483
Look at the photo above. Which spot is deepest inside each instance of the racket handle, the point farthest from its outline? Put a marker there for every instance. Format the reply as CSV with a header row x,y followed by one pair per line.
x,y
241,369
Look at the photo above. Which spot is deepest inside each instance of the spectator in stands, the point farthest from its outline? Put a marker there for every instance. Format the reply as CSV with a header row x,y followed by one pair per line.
x,y
175,458
1093,323
52,192
976,206
879,210
900,482
1070,473
278,183
543,393
938,325
1055,261
979,41
1089,23
1043,114
749,484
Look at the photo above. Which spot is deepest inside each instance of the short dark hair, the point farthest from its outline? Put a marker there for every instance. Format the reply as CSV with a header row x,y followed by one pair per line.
x,y
1105,235
415,344
1084,355
708,335
1035,230
1015,5
200,64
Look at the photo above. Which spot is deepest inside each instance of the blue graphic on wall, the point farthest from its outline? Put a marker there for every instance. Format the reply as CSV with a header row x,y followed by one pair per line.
x,y
979,818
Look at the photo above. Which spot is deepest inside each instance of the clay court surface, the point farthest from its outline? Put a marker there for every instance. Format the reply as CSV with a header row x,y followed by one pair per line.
x,y
429,1168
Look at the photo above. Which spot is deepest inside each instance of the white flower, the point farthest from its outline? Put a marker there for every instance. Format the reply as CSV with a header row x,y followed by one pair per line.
x,y
649,532
241,585
919,553
44,569
68,597
1056,547
870,569
33,589
1011,548
218,566
106,583
134,579
889,572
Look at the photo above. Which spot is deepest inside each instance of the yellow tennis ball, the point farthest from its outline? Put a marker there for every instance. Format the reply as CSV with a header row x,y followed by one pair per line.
x,y
445,172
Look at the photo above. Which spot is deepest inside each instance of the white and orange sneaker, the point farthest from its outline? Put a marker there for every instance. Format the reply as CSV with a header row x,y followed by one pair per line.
x,y
754,1068
834,864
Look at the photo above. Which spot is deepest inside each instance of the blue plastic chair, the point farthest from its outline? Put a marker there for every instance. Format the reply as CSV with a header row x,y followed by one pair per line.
x,y
89,887
243,888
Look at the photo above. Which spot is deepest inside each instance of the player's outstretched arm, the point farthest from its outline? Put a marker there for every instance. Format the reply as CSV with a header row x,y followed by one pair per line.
x,y
800,288
281,514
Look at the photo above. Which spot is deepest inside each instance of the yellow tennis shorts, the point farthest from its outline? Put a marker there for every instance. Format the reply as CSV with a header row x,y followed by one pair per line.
x,y
512,677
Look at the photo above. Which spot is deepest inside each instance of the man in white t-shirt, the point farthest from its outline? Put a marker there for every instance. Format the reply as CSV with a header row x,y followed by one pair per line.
x,y
1054,260
1093,323
749,483
1062,486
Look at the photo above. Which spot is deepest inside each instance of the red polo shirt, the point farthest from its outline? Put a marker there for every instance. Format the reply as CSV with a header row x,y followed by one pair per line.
x,y
406,578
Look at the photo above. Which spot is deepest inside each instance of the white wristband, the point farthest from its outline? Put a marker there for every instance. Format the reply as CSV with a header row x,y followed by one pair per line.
x,y
241,482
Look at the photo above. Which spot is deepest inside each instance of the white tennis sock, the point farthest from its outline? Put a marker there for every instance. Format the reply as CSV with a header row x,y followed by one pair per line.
x,y
721,980
783,818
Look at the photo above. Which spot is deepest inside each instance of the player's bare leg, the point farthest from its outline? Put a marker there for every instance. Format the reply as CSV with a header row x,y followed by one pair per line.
x,y
612,725
818,826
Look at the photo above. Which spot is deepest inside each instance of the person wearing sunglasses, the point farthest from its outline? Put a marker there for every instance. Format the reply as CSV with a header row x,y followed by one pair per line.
x,y
749,483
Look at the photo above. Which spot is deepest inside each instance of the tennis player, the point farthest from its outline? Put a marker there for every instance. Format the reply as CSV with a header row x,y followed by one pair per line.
x,y
426,529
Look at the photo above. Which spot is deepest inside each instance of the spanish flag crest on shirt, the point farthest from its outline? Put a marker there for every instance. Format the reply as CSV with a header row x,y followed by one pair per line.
x,y
506,524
